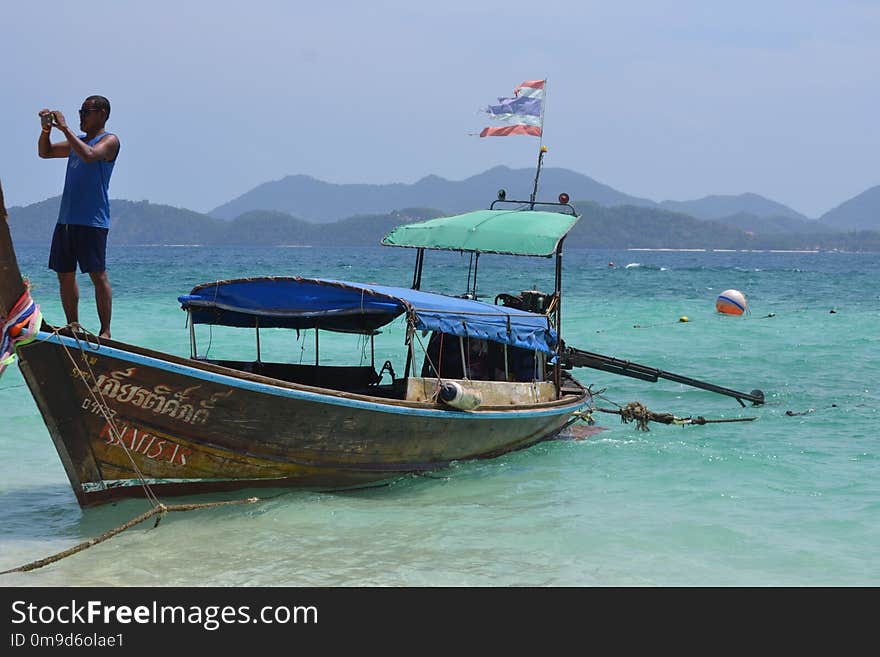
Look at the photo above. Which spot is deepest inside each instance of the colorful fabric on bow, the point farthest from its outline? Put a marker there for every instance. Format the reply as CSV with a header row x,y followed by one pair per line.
x,y
18,328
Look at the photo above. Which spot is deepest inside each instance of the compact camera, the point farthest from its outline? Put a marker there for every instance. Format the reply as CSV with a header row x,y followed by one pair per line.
x,y
49,119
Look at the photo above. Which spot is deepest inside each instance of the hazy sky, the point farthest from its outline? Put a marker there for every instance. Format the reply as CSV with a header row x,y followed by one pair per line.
x,y
666,100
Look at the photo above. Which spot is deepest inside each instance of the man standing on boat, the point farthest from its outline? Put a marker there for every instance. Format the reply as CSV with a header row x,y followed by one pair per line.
x,y
84,218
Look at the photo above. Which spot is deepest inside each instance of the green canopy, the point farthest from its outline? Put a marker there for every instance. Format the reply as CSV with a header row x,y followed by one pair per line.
x,y
511,232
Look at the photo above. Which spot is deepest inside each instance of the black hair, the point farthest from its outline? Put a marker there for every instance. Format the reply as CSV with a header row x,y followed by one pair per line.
x,y
100,103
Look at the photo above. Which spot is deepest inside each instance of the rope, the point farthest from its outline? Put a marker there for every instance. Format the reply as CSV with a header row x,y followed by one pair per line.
x,y
431,363
583,416
637,412
676,322
100,402
686,320
159,510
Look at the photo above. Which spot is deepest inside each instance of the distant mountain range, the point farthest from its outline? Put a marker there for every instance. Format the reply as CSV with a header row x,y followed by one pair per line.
x,y
321,202
304,210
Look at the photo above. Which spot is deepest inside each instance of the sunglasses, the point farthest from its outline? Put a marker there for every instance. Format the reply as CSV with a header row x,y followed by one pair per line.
x,y
83,112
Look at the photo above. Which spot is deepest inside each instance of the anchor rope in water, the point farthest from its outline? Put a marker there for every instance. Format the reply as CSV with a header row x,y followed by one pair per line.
x,y
159,510
684,319
585,416
636,411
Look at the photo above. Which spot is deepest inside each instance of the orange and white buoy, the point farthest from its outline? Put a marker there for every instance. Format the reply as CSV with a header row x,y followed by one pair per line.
x,y
731,302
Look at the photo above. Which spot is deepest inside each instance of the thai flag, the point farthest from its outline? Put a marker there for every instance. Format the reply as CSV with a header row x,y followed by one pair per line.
x,y
524,113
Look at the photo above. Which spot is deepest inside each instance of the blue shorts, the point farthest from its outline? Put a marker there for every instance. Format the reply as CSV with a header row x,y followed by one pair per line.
x,y
72,244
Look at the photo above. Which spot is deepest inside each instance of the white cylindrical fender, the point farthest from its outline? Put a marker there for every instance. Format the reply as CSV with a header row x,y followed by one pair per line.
x,y
456,395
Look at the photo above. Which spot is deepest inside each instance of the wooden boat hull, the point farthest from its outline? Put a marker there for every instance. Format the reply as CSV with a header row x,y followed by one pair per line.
x,y
185,426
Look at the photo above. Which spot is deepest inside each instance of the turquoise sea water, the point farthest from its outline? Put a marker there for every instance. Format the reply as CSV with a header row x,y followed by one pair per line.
x,y
784,500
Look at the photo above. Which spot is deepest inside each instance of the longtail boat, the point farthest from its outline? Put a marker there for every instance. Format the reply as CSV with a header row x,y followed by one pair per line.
x,y
479,379
487,381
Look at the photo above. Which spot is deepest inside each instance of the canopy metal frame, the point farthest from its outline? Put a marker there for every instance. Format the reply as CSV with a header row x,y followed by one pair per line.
x,y
471,285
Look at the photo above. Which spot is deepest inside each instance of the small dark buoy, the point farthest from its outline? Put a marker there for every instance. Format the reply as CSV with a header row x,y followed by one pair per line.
x,y
771,314
832,311
759,394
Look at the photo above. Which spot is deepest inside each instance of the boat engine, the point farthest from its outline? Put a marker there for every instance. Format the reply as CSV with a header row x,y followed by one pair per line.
x,y
533,301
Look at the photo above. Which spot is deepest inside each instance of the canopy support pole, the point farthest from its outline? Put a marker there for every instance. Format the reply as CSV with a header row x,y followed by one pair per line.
x,y
410,353
476,264
464,366
192,335
557,369
417,274
316,344
257,326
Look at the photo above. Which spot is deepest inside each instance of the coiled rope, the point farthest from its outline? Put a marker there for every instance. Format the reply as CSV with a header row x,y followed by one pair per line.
x,y
636,411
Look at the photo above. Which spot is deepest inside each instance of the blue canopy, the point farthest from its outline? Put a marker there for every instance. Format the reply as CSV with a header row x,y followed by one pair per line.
x,y
302,303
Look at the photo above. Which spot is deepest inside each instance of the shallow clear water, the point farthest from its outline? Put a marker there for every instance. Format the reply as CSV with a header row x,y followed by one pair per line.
x,y
783,500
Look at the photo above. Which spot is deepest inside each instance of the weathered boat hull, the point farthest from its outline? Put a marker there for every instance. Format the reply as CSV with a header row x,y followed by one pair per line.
x,y
186,427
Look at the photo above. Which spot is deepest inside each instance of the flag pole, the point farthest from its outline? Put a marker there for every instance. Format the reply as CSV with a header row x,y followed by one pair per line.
x,y
541,149
541,152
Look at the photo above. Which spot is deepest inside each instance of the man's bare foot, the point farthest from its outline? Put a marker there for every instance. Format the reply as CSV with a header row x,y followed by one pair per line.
x,y
105,334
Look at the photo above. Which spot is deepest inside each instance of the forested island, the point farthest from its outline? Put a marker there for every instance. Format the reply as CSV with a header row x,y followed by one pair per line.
x,y
618,227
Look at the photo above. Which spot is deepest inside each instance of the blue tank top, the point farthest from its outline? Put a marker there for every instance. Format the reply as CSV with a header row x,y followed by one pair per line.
x,y
85,200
